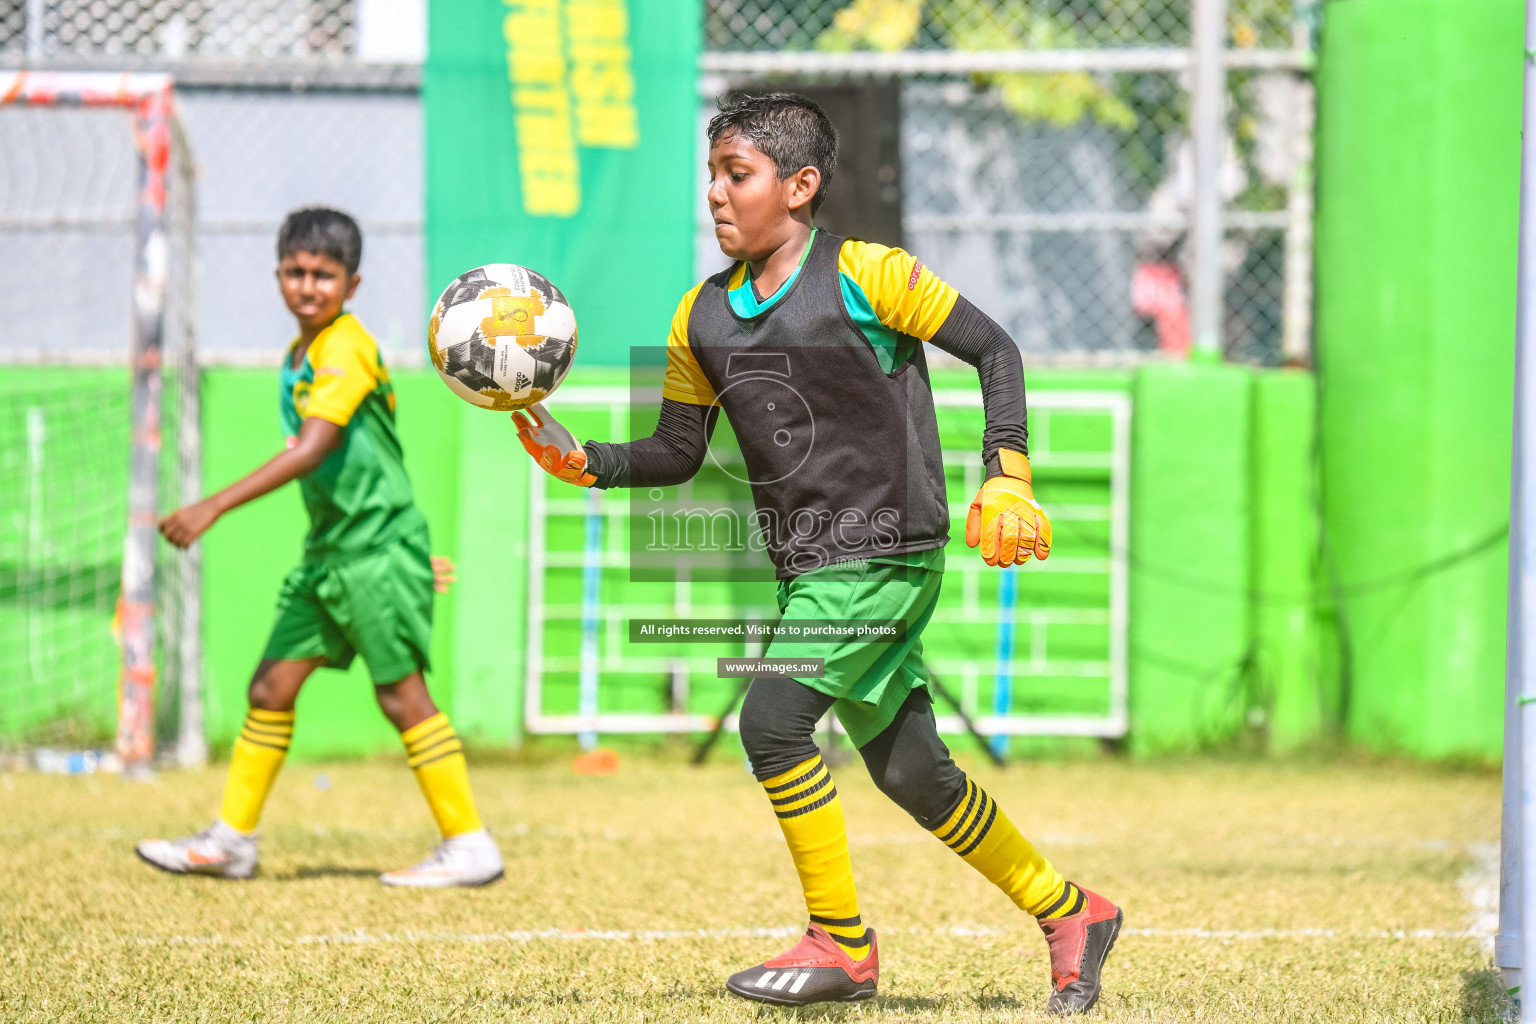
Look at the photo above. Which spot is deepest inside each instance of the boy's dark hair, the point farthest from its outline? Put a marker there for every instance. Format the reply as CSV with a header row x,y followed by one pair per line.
x,y
789,129
322,230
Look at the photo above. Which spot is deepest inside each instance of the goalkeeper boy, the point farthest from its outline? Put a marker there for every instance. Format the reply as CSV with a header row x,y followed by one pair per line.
x,y
849,490
365,583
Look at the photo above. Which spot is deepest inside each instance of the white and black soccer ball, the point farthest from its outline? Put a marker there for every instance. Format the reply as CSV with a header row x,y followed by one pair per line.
x,y
502,336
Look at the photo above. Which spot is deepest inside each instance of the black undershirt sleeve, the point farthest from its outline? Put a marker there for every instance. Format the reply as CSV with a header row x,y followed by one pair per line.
x,y
969,334
671,455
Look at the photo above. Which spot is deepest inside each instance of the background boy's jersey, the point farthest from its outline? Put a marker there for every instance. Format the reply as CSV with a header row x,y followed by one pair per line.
x,y
360,497
826,388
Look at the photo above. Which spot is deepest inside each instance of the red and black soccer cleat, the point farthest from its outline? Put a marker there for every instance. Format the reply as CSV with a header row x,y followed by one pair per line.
x,y
1078,945
816,970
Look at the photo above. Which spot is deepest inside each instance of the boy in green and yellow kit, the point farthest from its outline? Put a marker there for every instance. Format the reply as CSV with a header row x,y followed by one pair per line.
x,y
365,584
812,345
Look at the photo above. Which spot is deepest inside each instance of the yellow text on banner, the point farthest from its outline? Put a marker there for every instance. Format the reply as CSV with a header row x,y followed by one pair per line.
x,y
541,102
602,74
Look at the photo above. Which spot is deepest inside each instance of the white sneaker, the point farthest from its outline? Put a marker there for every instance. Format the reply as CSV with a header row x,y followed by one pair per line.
x,y
468,859
217,850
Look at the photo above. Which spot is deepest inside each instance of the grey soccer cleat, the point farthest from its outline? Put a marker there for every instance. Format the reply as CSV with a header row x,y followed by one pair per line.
x,y
217,850
1079,944
468,859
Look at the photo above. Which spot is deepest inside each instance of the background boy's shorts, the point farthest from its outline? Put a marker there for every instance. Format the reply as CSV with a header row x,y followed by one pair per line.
x,y
869,680
377,604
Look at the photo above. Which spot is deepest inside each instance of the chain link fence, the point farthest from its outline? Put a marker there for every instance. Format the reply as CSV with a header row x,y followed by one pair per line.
x,y
1046,164
1045,155
282,109
262,153
176,29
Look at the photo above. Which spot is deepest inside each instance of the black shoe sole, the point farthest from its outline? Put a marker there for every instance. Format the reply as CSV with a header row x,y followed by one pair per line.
x,y
773,999
1069,1011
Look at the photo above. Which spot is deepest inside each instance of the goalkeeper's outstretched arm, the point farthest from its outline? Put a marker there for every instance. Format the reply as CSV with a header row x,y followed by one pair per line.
x,y
671,455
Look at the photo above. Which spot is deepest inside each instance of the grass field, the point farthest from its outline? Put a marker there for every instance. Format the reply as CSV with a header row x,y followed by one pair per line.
x,y
1336,891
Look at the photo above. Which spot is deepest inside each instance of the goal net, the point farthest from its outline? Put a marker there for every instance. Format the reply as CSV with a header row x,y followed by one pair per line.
x,y
98,423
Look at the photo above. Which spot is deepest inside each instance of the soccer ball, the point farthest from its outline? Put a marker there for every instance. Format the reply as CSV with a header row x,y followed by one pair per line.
x,y
502,336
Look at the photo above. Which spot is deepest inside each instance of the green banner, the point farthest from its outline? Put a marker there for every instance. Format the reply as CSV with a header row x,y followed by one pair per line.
x,y
560,136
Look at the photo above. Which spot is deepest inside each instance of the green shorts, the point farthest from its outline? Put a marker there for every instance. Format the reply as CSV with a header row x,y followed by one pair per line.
x,y
869,680
378,605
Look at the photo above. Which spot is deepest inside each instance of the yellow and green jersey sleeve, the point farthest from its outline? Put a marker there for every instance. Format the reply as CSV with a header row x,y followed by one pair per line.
x,y
685,381
347,369
891,297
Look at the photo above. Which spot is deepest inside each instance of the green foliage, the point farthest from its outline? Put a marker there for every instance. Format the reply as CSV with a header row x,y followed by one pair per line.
x,y
884,25
1059,98
1063,98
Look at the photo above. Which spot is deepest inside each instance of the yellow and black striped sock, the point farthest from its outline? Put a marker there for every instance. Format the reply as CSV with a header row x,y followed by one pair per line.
x,y
1071,901
811,815
253,766
434,752
985,839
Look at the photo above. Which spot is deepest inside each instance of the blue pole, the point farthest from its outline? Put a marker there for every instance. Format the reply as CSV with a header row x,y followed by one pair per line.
x,y
591,586
1002,689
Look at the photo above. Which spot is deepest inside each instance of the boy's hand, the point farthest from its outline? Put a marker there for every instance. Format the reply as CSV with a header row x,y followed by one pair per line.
x,y
444,573
1005,519
185,525
552,446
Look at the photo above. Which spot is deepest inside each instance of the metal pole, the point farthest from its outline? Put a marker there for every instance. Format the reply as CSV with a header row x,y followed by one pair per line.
x,y
1522,539
1296,321
1506,945
191,741
1209,32
34,30
136,692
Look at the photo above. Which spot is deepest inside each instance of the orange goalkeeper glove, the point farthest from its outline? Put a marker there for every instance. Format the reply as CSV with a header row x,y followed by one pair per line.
x,y
1005,519
552,446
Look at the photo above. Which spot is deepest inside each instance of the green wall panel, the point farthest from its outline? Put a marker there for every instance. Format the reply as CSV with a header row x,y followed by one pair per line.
x,y
489,626
1418,158
1191,519
1291,678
